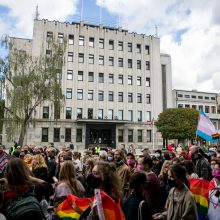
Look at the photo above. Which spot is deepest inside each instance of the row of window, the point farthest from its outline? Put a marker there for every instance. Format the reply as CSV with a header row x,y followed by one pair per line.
x,y
68,135
101,43
110,114
90,96
197,97
101,78
208,109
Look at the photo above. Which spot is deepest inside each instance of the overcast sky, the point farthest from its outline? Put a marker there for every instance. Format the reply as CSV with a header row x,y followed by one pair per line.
x,y
189,29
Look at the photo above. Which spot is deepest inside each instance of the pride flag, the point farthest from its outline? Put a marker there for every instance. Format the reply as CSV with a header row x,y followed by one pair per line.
x,y
200,191
205,128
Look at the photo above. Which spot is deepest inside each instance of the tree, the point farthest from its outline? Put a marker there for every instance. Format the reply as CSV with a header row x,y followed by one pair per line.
x,y
2,104
178,123
31,81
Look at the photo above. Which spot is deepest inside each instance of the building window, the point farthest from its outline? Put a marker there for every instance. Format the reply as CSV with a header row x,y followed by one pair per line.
x,y
69,74
148,116
187,96
110,114
91,59
100,113
44,137
200,97
81,58
120,79
139,81
147,49
148,82
130,135
139,116
101,96
80,75
120,96
120,114
56,135
194,106
79,135
71,39
130,97
129,63
130,115
49,36
120,135
79,94
129,47
91,41
213,109
79,113
193,96
148,101
69,93
70,57
200,107
68,112
91,77
111,45
207,109
139,64
48,53
149,136
101,43
111,78
213,98
180,95
206,98
81,40
140,135
60,38
120,46
139,98
147,65
111,61
90,95
187,106
138,48
45,112
180,105
101,77
101,60
90,113
130,80
110,96
67,134
120,62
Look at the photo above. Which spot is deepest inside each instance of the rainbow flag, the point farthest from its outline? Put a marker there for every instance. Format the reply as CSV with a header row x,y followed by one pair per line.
x,y
205,128
200,191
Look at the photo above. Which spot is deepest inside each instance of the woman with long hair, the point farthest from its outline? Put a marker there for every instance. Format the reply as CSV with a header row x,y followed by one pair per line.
x,y
39,167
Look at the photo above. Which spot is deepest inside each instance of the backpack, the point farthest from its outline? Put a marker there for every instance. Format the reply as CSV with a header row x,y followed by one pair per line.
x,y
23,206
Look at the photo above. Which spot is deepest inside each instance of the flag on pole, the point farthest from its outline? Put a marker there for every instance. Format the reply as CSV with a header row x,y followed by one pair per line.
x,y
152,122
205,128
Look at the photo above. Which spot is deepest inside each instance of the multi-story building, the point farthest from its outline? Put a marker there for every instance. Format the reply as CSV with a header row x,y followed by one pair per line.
x,y
206,101
115,83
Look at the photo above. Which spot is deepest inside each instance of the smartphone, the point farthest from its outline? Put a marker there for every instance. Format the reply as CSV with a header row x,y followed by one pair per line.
x,y
55,179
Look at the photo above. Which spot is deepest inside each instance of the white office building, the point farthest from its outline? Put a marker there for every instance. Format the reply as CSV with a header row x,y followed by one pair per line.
x,y
115,83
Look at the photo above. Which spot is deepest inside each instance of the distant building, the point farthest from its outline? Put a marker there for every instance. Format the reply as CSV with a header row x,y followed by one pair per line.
x,y
115,83
206,101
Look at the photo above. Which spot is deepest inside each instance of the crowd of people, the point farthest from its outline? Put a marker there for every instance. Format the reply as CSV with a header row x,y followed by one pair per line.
x,y
34,181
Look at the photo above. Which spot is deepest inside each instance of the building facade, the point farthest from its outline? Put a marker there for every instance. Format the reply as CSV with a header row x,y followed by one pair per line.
x,y
208,102
115,83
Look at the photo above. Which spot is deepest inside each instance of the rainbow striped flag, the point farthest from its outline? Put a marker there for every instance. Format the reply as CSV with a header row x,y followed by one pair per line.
x,y
200,191
205,128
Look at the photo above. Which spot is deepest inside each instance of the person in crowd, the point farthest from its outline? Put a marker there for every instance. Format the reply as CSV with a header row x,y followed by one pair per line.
x,y
180,202
179,150
123,149
218,152
135,205
59,161
39,167
26,149
103,155
131,149
131,162
28,160
68,184
146,152
214,193
3,161
190,169
202,165
175,160
77,162
157,162
51,163
152,194
213,162
110,157
122,170
89,164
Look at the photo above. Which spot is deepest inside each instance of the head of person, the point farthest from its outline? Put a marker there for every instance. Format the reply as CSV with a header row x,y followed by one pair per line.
x,y
118,156
103,155
26,149
176,160
218,153
89,164
165,168
63,148
75,155
17,173
146,152
194,152
106,178
216,170
146,163
51,152
60,156
213,162
189,166
176,176
68,156
38,161
110,157
138,182
131,160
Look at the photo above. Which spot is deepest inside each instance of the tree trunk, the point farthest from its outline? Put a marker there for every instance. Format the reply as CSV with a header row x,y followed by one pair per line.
x,y
22,134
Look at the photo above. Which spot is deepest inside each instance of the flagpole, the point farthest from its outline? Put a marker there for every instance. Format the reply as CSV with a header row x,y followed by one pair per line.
x,y
153,135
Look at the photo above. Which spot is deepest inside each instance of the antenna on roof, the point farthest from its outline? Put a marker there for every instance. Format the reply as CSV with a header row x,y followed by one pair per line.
x,y
156,31
81,16
119,15
100,12
37,13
